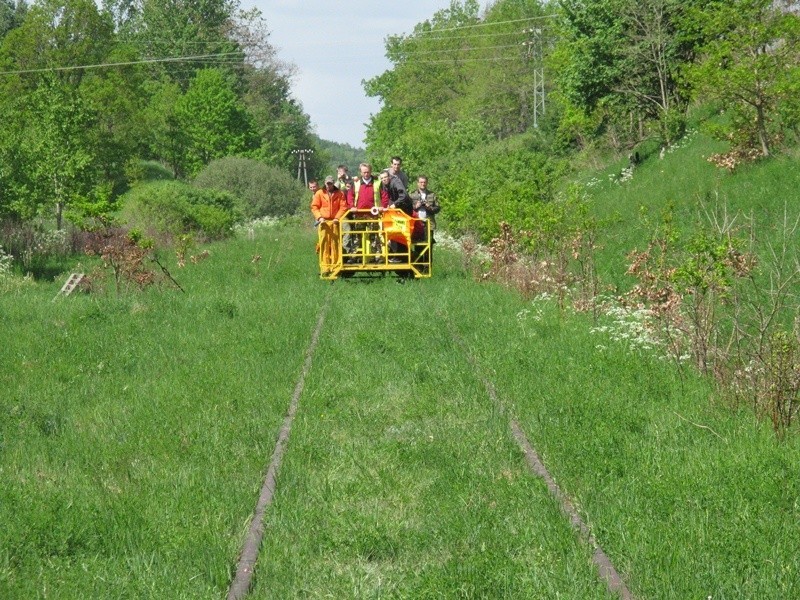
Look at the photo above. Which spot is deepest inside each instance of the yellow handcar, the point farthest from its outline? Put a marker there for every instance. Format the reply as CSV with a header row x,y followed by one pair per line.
x,y
373,242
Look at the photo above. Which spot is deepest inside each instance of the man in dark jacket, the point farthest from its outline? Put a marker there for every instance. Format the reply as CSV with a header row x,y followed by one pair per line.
x,y
398,198
395,170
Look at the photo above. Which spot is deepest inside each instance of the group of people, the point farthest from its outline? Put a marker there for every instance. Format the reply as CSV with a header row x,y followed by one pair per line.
x,y
365,193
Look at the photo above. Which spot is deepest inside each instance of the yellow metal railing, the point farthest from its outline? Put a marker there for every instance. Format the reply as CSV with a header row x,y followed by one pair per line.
x,y
375,241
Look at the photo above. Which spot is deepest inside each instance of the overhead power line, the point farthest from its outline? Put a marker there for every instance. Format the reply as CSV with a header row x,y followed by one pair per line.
x,y
485,24
462,60
242,53
469,35
466,49
124,64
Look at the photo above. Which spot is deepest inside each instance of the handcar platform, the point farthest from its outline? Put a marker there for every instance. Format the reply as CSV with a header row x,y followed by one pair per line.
x,y
373,242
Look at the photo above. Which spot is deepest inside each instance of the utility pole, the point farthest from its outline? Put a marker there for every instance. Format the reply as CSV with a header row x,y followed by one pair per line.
x,y
534,53
301,163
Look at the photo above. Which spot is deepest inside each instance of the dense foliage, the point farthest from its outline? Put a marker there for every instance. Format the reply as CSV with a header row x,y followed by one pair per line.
x,y
461,89
340,154
86,94
262,190
176,208
751,66
489,102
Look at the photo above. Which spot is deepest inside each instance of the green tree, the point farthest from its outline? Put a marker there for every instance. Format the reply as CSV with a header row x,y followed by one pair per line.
x,y
282,128
503,79
278,119
50,125
166,138
13,178
462,65
11,15
56,152
175,28
458,105
423,95
751,63
117,97
625,58
339,154
214,120
57,34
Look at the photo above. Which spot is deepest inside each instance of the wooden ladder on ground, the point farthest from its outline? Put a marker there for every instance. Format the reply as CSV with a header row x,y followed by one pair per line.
x,y
71,284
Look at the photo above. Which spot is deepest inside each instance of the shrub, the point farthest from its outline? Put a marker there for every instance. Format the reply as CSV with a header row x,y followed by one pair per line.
x,y
262,190
147,170
5,264
176,208
8,282
503,182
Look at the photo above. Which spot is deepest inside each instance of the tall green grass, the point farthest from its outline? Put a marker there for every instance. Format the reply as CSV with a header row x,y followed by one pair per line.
x,y
403,480
686,186
134,432
689,499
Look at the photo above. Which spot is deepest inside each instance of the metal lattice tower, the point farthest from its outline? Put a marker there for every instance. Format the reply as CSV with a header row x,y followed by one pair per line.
x,y
534,53
302,163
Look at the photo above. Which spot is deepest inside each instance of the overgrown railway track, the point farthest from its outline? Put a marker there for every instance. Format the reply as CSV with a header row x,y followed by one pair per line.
x,y
242,581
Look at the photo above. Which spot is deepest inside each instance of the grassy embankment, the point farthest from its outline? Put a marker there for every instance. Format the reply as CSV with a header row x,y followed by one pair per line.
x,y
134,432
684,184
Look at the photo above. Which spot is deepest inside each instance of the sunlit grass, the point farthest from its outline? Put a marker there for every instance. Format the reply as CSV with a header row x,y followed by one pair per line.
x,y
403,480
134,433
135,429
688,498
685,185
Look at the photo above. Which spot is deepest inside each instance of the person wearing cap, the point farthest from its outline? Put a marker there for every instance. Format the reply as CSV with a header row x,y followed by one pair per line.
x,y
344,183
328,206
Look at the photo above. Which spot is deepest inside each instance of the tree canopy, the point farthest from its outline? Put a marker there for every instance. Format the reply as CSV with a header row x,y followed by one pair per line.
x,y
472,88
86,92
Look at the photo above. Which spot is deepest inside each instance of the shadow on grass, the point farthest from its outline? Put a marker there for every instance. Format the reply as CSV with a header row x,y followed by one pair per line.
x,y
47,270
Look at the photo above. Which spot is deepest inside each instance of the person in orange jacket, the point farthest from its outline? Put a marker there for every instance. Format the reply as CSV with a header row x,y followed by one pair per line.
x,y
328,206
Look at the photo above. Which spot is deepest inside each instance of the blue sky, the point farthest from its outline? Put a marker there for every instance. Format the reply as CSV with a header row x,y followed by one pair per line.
x,y
334,46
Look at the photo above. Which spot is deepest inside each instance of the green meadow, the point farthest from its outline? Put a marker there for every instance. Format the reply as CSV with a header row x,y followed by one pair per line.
x,y
135,430
623,297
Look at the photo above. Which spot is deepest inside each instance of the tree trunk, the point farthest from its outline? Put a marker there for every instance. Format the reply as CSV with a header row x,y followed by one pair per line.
x,y
59,215
761,124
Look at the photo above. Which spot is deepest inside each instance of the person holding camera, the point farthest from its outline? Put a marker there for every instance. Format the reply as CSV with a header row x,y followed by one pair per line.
x,y
343,178
426,204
